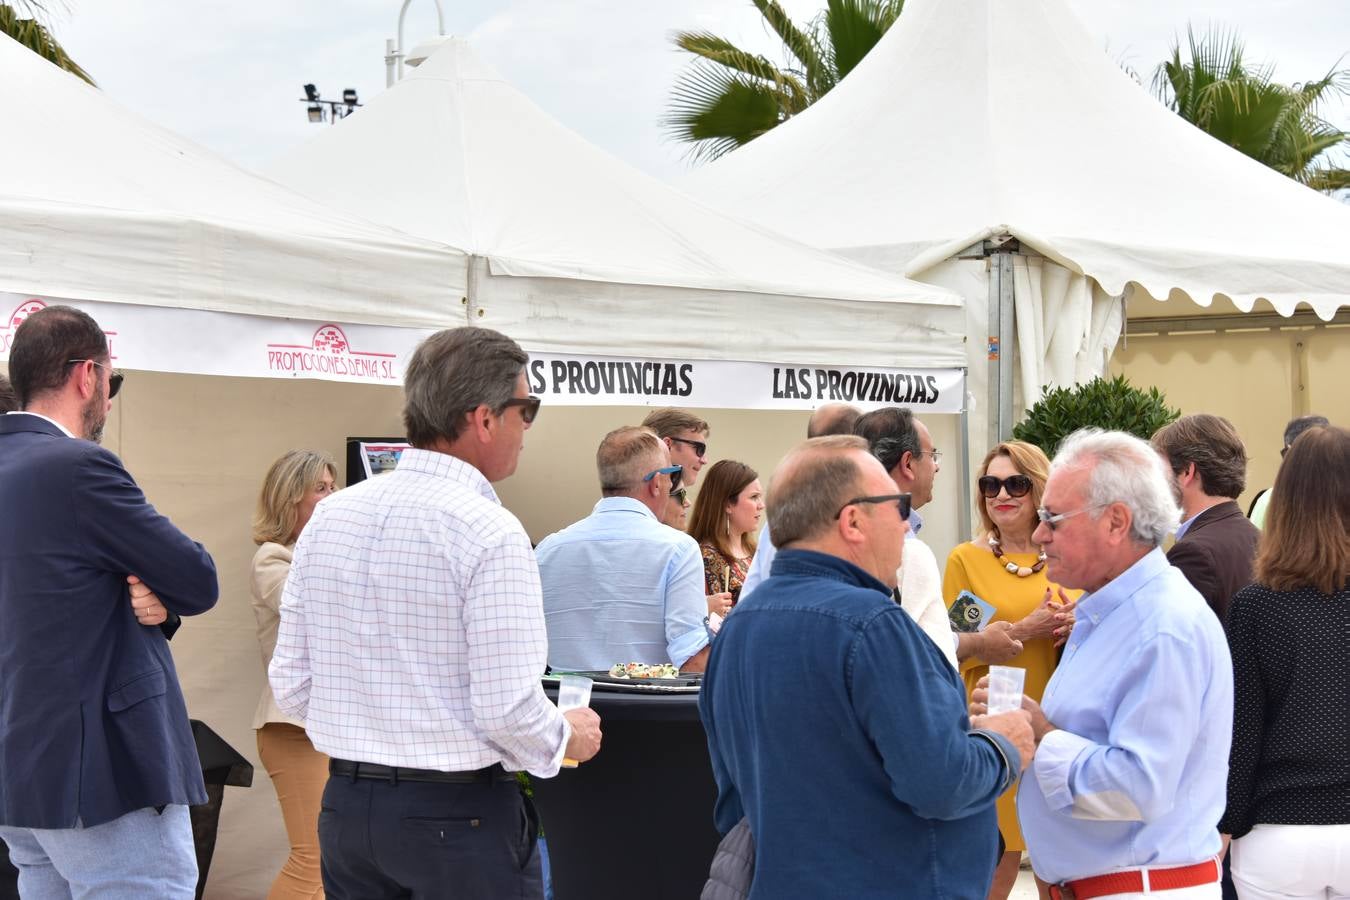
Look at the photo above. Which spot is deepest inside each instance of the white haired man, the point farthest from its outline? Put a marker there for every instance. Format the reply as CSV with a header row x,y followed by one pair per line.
x,y
1129,777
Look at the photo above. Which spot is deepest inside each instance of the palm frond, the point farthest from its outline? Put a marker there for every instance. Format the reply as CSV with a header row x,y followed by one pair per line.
x,y
716,110
854,28
33,34
798,43
724,53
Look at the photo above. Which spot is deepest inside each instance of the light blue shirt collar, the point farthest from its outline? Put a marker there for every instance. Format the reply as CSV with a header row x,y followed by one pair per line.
x,y
915,521
1181,529
622,504
1097,605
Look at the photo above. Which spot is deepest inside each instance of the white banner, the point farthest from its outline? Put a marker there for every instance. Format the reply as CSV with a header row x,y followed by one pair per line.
x,y
157,339
566,380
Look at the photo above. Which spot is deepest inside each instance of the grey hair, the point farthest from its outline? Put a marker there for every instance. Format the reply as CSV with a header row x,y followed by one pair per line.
x,y
810,484
1124,469
625,455
452,373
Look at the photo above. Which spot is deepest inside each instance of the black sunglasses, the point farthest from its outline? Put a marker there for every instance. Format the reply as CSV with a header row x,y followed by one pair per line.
x,y
529,407
679,494
114,380
700,447
1015,485
902,502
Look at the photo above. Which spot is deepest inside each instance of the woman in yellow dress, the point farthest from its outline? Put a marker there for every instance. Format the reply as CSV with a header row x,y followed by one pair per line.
x,y
1005,569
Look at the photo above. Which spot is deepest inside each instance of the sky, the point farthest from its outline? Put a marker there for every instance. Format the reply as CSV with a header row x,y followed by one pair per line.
x,y
228,75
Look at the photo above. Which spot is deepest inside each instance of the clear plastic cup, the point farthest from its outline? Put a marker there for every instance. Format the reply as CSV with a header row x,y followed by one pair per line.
x,y
1005,688
574,692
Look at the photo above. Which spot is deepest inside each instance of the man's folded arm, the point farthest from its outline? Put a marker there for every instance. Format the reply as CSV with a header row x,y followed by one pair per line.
x,y
125,534
1135,776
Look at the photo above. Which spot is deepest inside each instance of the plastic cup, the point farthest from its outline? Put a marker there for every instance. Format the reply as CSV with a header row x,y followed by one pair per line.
x,y
574,692
1005,688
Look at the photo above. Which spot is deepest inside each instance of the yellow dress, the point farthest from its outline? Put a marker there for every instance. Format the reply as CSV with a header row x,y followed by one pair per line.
x,y
972,567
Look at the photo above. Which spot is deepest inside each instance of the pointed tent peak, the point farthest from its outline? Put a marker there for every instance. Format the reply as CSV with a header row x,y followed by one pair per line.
x,y
455,153
452,57
971,113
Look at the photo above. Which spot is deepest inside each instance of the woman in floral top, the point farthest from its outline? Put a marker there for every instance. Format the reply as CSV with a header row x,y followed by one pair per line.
x,y
725,521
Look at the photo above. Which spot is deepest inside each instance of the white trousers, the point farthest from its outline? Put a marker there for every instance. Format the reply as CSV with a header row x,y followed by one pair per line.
x,y
1293,862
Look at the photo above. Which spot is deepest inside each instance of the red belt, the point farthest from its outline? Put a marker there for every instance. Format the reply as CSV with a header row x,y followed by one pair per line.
x,y
1132,881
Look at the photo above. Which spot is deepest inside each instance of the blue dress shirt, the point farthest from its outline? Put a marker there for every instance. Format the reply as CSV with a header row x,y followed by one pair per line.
x,y
621,587
1137,771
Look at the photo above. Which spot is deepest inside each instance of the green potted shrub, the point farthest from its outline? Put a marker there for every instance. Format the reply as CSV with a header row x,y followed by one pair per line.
x,y
1113,404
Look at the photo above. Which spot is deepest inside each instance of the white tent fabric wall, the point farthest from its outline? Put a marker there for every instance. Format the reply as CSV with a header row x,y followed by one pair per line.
x,y
97,204
1066,326
579,252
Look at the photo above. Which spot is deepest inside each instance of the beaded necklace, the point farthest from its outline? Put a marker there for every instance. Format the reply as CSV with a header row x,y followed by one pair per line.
x,y
1012,567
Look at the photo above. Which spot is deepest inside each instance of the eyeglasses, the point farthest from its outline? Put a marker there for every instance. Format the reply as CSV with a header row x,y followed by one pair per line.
x,y
1050,520
700,447
673,471
679,494
1015,485
901,501
936,454
529,407
114,380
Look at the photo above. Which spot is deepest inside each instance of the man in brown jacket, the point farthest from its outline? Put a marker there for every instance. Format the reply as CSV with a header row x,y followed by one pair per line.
x,y
1215,543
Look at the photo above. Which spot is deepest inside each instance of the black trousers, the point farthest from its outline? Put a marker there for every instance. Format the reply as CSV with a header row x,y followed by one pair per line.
x,y
417,841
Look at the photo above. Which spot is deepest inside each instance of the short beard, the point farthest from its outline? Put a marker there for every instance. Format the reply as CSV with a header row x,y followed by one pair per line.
x,y
94,416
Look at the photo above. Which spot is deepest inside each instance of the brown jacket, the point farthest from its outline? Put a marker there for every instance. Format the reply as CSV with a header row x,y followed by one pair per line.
x,y
1216,554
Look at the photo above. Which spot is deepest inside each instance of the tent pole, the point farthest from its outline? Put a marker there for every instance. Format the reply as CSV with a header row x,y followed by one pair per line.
x,y
1000,251
963,522
471,309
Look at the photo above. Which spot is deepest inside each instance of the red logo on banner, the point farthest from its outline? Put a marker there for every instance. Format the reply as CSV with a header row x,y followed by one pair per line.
x,y
329,353
23,311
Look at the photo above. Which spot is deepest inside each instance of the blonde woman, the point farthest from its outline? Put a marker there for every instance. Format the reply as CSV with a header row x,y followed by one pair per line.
x,y
293,487
1004,568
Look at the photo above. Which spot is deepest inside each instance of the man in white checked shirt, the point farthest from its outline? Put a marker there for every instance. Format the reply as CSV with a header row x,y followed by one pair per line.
x,y
412,641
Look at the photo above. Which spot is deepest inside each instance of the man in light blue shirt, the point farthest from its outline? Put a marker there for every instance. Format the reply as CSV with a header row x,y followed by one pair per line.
x,y
1133,733
619,586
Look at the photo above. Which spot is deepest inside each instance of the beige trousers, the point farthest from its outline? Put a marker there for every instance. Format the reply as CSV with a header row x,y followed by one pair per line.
x,y
299,773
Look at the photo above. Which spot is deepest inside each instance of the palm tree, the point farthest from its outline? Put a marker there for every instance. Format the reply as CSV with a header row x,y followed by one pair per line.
x,y
729,96
33,34
1243,106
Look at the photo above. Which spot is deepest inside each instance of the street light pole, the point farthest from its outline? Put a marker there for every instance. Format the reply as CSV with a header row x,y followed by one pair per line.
x,y
393,61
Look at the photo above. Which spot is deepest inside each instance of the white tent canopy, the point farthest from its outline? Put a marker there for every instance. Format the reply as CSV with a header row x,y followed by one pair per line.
x,y
183,249
580,253
973,118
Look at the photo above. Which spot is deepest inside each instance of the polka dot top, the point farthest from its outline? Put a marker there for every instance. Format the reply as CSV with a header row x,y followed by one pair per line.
x,y
1290,762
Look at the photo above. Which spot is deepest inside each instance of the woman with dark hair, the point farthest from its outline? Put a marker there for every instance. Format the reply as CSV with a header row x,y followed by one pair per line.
x,y
1289,631
725,521
293,487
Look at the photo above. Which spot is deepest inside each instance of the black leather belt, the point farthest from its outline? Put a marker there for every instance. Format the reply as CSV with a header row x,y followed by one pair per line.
x,y
395,774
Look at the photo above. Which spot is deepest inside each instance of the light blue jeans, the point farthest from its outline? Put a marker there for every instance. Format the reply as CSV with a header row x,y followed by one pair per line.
x,y
140,855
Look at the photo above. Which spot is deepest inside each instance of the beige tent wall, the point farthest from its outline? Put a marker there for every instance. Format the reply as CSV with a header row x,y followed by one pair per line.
x,y
199,446
1258,380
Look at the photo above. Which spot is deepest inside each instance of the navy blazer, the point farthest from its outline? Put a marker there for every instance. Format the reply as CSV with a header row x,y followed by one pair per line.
x,y
92,719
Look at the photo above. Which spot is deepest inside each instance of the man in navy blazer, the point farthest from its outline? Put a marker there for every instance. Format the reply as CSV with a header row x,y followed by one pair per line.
x,y
97,761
